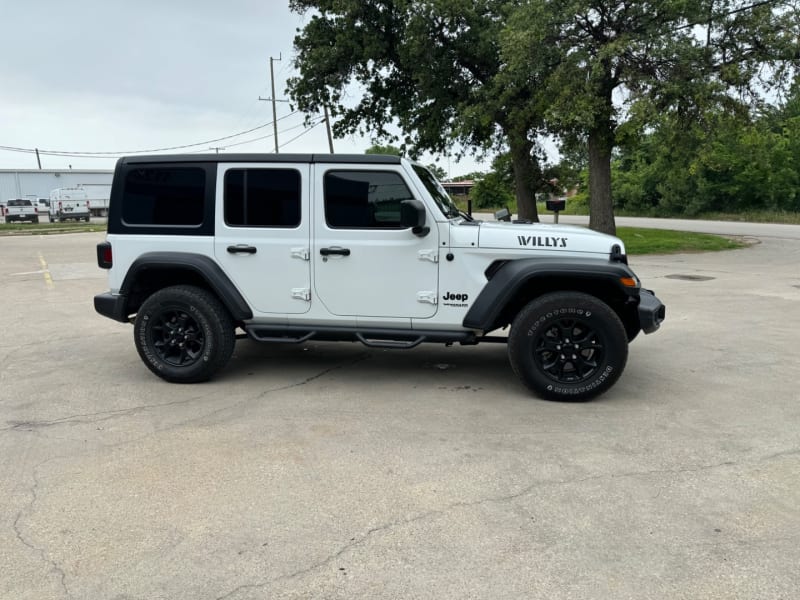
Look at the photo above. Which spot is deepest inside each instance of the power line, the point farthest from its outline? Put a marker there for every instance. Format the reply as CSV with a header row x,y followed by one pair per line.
x,y
303,133
109,154
269,135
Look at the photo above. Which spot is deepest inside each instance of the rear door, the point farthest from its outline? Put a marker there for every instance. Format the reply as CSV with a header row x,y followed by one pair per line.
x,y
262,234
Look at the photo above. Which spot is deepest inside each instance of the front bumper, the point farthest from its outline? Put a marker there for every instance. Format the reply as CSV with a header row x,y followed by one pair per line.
x,y
112,306
651,311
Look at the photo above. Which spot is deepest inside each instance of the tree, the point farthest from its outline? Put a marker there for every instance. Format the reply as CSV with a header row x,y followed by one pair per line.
x,y
433,68
492,192
727,164
617,60
496,188
388,149
437,171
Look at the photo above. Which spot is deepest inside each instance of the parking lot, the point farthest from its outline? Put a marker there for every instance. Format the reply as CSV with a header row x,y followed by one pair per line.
x,y
335,471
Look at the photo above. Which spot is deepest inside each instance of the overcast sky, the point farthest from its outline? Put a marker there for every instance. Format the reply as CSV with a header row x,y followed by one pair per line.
x,y
113,75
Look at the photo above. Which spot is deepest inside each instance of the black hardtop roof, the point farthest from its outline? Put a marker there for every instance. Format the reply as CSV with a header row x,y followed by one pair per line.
x,y
379,159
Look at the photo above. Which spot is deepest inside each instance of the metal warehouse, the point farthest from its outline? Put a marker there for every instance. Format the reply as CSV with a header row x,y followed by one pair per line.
x,y
30,183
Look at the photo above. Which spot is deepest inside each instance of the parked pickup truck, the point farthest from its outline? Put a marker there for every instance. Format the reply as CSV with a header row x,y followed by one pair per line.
x,y
69,203
20,209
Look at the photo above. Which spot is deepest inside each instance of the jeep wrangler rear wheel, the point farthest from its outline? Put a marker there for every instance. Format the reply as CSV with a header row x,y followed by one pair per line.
x,y
184,334
568,346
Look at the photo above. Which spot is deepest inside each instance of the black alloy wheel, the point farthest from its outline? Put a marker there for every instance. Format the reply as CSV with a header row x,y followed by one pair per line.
x,y
568,346
177,338
569,351
184,334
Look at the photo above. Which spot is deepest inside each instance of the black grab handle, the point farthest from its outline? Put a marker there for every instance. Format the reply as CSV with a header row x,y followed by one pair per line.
x,y
334,250
242,249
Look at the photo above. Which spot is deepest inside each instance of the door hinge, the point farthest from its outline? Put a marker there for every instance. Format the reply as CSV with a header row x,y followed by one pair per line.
x,y
301,294
303,253
427,297
431,255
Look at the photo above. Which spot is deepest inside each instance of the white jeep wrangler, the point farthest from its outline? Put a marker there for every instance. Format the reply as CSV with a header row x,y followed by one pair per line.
x,y
291,248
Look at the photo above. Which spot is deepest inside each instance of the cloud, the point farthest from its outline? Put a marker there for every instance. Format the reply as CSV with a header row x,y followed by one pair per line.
x,y
108,75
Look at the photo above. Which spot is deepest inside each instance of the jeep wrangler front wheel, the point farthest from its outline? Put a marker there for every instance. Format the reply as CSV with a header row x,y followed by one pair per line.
x,y
568,346
184,334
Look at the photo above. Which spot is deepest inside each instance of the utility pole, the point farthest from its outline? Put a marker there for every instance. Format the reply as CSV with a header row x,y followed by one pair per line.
x,y
38,160
328,127
274,112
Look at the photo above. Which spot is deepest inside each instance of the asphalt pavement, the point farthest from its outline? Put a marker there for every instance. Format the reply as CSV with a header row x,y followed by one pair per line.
x,y
330,470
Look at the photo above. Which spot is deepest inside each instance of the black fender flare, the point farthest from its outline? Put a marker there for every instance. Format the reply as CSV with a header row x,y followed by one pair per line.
x,y
509,278
200,264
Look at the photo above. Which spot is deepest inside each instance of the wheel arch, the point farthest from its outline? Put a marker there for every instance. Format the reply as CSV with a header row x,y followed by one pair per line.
x,y
157,270
512,284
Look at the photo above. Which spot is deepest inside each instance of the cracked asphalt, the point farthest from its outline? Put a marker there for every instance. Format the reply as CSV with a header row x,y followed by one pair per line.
x,y
335,471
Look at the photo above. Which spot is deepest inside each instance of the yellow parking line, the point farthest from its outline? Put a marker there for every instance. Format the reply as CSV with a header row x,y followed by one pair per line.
x,y
48,281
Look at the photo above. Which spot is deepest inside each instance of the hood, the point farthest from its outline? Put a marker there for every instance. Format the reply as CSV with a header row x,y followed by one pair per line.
x,y
544,237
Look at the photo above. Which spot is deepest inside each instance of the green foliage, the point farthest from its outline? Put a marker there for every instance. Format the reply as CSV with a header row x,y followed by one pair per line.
x,y
431,68
667,98
493,191
727,164
610,67
437,171
387,149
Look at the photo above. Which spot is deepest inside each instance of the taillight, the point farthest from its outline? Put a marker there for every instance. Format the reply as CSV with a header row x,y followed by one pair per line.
x,y
105,257
59,205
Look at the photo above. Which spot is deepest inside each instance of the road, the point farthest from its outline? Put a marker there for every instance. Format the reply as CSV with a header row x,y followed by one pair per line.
x,y
759,230
335,471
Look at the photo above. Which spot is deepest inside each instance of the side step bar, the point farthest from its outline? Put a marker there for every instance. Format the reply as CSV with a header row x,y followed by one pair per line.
x,y
373,338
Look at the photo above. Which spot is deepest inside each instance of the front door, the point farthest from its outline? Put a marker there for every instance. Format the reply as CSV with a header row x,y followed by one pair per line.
x,y
365,263
262,234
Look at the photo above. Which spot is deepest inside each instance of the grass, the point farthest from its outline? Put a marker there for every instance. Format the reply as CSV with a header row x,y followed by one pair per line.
x,y
665,241
45,228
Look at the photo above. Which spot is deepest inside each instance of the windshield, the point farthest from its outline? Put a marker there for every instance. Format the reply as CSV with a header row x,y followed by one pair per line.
x,y
435,189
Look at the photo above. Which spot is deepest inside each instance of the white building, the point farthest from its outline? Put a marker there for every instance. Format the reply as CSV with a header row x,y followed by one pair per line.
x,y
38,183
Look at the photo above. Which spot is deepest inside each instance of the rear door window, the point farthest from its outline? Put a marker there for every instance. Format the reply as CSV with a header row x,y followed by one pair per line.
x,y
262,198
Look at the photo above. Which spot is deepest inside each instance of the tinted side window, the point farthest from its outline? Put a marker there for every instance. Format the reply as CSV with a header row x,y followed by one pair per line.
x,y
262,198
364,199
164,196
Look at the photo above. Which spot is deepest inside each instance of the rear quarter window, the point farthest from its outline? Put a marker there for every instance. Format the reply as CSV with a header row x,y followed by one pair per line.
x,y
164,196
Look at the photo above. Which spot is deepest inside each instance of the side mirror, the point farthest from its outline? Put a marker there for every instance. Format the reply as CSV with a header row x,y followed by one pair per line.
x,y
412,214
503,215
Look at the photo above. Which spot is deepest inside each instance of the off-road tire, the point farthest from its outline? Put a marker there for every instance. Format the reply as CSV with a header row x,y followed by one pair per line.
x,y
184,334
567,346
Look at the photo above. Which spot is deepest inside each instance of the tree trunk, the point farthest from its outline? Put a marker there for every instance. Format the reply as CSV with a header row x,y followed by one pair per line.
x,y
526,176
601,210
601,143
